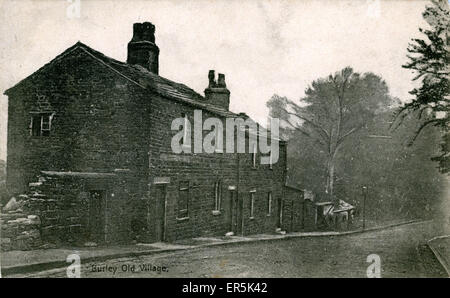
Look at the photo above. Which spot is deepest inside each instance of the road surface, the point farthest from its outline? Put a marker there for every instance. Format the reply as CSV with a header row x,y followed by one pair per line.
x,y
401,252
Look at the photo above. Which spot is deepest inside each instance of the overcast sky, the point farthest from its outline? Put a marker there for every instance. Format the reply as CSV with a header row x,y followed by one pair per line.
x,y
263,47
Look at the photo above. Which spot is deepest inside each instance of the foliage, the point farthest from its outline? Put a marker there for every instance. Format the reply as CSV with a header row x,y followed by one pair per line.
x,y
402,181
429,59
333,110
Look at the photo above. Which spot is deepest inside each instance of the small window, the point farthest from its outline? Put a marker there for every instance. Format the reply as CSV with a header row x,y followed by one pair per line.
x,y
252,204
254,156
35,126
183,200
269,203
217,195
218,144
186,135
270,160
40,125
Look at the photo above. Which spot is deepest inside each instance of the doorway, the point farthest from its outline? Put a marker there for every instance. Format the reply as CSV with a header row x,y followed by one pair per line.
x,y
160,212
97,204
279,212
235,213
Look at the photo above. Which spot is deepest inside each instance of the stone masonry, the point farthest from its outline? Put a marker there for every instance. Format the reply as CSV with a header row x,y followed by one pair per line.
x,y
97,133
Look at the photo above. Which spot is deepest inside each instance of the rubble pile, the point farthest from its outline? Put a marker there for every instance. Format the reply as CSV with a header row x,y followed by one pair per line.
x,y
20,230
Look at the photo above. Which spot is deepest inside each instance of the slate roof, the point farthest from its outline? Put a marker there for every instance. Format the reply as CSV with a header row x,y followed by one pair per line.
x,y
145,79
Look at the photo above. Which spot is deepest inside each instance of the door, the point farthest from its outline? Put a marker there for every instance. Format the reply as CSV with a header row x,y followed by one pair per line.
x,y
280,212
293,217
235,219
160,212
97,203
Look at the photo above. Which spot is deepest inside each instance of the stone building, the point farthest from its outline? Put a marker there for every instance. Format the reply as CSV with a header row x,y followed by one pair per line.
x,y
89,141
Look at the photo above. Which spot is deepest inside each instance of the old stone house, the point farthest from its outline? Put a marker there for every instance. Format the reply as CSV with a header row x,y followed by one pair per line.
x,y
89,139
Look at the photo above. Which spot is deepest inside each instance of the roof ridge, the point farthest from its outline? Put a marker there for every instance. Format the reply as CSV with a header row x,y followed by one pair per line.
x,y
52,61
161,85
137,67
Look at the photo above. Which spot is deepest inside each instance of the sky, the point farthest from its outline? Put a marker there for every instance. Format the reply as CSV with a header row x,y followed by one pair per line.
x,y
263,47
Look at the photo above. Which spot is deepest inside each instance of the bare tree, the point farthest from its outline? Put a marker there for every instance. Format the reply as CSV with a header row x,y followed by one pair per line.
x,y
333,109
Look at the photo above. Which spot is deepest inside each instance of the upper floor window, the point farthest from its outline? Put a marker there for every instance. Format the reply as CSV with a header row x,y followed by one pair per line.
x,y
269,203
41,124
186,131
270,161
217,195
218,140
254,156
252,203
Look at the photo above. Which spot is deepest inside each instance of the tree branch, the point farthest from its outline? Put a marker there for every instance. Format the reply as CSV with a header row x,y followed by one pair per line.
x,y
310,122
425,124
296,127
351,131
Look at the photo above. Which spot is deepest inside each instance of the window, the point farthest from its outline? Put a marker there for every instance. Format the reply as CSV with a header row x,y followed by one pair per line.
x,y
183,200
217,195
254,156
270,160
218,141
252,203
40,124
186,127
269,203
35,126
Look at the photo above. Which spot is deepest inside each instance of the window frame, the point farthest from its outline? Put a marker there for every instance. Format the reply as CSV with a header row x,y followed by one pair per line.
x,y
269,203
186,133
216,143
183,213
254,156
38,117
252,204
270,161
217,195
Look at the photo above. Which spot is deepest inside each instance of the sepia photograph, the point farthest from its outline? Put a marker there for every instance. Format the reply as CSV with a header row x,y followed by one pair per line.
x,y
209,141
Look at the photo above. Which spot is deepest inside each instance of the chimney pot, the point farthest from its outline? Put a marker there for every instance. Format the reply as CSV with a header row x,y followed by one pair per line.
x,y
211,78
137,32
217,93
148,32
142,49
221,81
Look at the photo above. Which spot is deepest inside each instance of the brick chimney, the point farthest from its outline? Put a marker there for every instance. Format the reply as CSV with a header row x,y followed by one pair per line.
x,y
142,49
217,93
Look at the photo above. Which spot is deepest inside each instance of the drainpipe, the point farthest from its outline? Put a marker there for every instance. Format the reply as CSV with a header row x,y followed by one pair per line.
x,y
292,216
364,207
106,215
237,194
283,192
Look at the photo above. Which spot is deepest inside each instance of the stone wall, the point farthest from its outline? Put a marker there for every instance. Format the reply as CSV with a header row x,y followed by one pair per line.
x,y
56,212
99,123
201,171
65,207
20,230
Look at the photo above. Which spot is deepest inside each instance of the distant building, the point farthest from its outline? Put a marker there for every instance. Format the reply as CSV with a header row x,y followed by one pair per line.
x,y
96,133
